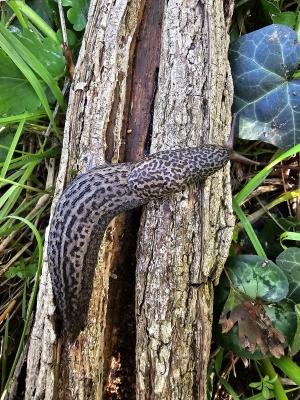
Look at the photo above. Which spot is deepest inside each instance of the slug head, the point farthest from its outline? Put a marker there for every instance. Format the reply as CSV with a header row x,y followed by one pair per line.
x,y
171,171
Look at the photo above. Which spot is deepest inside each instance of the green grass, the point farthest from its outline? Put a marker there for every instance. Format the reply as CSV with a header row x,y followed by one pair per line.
x,y
25,194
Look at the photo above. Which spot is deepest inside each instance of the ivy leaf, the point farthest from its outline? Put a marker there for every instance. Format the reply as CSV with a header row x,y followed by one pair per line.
x,y
77,14
284,318
253,328
289,262
267,99
257,277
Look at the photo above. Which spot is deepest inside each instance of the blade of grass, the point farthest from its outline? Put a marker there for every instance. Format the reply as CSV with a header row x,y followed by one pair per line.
x,y
9,227
229,389
32,297
18,14
8,181
265,208
15,175
259,396
10,197
218,360
12,149
19,117
248,228
4,353
35,19
27,72
33,63
24,300
26,158
258,178
289,236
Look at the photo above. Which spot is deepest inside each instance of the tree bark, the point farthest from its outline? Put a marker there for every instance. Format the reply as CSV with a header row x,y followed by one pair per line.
x,y
156,73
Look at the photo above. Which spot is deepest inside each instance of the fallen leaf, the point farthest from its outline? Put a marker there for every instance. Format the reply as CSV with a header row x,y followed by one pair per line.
x,y
255,329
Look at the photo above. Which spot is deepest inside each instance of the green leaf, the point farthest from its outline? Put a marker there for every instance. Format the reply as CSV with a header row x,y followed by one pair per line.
x,y
289,262
72,38
256,385
273,380
14,85
284,318
42,8
11,196
233,299
270,233
26,158
22,271
77,14
12,48
287,18
34,17
5,142
266,97
269,9
257,277
259,177
20,185
269,385
265,392
46,51
279,391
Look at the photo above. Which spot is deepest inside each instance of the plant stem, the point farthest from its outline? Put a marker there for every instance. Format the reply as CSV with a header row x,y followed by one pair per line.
x,y
289,368
278,388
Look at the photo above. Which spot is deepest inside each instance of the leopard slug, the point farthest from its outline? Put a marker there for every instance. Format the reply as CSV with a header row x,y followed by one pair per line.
x,y
92,199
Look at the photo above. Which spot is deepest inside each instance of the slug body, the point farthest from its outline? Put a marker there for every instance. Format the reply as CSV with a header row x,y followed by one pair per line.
x,y
92,199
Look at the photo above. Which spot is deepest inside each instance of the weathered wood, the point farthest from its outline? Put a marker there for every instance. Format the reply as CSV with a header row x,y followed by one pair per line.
x,y
184,240
98,97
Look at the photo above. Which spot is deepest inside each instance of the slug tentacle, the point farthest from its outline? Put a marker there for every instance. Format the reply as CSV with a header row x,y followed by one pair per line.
x,y
89,203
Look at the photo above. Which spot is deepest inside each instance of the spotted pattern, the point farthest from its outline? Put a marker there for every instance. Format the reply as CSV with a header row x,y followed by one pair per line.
x,y
92,199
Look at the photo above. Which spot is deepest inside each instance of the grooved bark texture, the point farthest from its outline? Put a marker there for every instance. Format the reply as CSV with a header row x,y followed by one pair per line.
x,y
183,241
